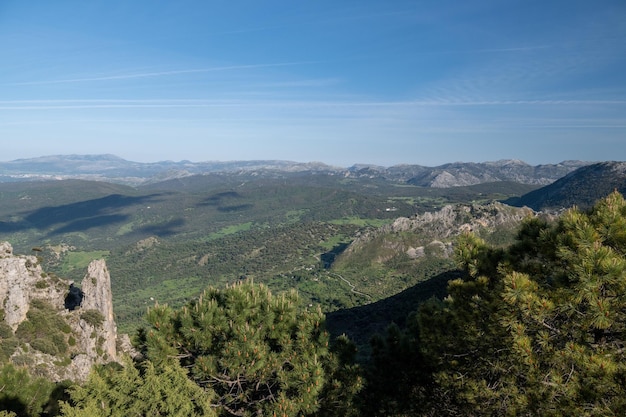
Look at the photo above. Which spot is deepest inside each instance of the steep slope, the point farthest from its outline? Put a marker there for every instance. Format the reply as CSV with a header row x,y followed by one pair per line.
x,y
581,188
411,260
396,256
50,326
462,174
415,235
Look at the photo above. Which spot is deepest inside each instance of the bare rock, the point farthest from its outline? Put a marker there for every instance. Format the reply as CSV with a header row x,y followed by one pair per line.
x,y
85,335
22,279
96,287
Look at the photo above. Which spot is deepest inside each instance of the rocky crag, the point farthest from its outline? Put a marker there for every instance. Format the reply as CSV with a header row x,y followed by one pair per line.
x,y
114,169
435,232
55,329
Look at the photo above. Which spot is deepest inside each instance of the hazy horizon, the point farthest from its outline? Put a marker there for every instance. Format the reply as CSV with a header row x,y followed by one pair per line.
x,y
43,157
386,83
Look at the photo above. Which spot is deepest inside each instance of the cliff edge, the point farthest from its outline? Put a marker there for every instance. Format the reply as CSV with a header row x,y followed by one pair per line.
x,y
49,325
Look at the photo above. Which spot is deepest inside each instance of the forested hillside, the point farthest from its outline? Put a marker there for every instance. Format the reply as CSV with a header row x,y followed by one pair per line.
x,y
536,328
168,241
582,187
532,328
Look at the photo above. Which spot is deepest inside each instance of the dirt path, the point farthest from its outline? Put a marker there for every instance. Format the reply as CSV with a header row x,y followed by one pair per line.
x,y
352,286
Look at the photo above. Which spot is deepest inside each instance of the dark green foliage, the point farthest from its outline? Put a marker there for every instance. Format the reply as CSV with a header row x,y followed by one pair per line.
x,y
537,329
5,331
397,374
137,391
45,345
258,353
93,317
8,346
235,352
41,284
343,383
24,395
44,329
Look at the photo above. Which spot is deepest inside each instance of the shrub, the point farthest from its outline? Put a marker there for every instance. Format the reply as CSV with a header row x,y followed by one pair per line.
x,y
5,331
45,346
93,317
7,348
41,284
44,329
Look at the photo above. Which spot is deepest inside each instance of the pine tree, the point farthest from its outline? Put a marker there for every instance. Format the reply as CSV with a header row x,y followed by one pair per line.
x,y
137,390
261,354
235,352
23,394
568,318
537,329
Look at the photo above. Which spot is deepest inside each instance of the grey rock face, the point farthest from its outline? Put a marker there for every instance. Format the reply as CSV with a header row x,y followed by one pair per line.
x,y
450,221
22,279
97,296
90,333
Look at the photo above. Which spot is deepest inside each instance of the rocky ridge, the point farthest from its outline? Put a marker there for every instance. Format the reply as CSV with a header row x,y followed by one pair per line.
x,y
114,169
52,327
435,232
581,188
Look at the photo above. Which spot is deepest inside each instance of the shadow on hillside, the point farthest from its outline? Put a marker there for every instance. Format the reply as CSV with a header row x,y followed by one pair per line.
x,y
363,322
217,199
328,258
162,229
78,216
223,202
234,208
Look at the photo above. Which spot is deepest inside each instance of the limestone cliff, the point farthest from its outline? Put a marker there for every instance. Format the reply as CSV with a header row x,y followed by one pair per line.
x,y
22,279
96,287
55,329
435,232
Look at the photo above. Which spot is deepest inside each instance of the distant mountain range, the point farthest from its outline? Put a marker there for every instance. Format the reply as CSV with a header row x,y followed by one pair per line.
x,y
581,188
114,169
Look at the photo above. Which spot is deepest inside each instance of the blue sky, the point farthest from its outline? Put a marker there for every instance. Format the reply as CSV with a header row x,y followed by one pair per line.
x,y
342,82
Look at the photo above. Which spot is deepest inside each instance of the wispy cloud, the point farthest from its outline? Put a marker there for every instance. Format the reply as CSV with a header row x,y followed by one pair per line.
x,y
527,48
200,103
160,73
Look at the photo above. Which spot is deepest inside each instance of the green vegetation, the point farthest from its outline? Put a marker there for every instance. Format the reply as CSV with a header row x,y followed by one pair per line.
x,y
44,329
536,328
234,352
229,230
356,221
76,260
26,396
213,230
138,390
93,317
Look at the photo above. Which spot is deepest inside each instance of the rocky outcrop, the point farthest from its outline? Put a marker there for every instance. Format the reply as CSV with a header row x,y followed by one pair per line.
x,y
452,220
433,233
58,330
97,296
22,279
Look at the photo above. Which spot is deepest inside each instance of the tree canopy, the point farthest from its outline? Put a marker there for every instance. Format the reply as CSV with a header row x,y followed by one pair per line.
x,y
240,351
537,328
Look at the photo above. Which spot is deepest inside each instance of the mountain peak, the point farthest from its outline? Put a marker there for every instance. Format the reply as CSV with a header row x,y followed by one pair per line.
x,y
582,187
